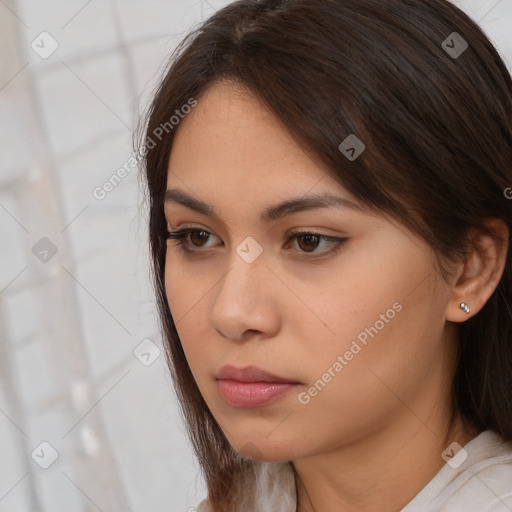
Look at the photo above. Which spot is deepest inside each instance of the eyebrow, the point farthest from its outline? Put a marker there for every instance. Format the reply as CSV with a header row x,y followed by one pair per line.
x,y
273,212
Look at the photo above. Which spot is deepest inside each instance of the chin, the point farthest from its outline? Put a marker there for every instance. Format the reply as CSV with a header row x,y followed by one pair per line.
x,y
262,449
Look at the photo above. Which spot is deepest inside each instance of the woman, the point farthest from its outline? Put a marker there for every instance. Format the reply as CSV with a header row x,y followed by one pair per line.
x,y
329,224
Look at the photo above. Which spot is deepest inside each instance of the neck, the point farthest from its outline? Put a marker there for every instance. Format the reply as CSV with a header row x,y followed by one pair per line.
x,y
382,471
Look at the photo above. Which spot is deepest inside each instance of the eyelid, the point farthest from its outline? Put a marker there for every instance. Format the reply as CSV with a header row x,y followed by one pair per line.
x,y
336,242
288,233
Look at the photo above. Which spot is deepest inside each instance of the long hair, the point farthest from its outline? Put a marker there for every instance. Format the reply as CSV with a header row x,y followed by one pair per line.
x,y
430,97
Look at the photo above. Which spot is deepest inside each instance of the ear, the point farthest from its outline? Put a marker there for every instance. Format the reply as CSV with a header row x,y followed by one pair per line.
x,y
481,270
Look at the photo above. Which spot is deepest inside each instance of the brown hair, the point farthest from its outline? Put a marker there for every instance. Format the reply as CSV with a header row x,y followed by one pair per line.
x,y
438,134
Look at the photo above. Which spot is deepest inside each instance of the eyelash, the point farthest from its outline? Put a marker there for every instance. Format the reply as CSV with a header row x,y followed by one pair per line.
x,y
182,234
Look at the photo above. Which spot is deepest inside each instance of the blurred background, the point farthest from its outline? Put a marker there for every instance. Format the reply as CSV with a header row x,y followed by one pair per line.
x,y
88,415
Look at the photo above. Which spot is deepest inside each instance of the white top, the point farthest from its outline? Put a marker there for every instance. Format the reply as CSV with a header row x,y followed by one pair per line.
x,y
483,482
478,478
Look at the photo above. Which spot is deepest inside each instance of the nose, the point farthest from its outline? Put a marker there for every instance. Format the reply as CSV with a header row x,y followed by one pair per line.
x,y
246,303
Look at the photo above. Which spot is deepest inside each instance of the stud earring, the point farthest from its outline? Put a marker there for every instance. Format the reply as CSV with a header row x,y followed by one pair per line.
x,y
465,307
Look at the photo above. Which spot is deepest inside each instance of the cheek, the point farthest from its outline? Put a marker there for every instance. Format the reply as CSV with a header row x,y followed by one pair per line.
x,y
372,380
183,287
379,318
187,298
181,299
368,292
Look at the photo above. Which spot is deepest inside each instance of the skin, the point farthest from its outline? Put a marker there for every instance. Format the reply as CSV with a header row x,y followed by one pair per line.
x,y
373,437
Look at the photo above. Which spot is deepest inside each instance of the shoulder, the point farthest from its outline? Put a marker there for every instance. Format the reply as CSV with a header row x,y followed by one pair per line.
x,y
480,480
202,507
486,487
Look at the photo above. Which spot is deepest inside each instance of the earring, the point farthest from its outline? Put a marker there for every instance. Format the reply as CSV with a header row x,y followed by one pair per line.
x,y
465,307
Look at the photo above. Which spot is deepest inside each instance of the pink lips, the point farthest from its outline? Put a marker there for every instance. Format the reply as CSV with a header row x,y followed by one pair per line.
x,y
251,387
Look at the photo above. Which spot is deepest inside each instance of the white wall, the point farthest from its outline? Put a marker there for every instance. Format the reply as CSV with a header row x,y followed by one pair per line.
x,y
75,295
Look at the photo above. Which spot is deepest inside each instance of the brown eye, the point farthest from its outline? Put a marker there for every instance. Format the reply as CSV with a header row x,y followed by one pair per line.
x,y
182,236
310,242
307,244
192,240
201,237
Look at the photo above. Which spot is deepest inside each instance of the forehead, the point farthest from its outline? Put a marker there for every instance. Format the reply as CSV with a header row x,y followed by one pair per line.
x,y
232,147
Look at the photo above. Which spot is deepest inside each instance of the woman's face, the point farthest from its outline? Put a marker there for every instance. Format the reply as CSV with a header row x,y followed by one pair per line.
x,y
358,326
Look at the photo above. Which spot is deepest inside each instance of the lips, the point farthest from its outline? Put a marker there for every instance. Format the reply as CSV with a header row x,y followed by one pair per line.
x,y
251,387
250,374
